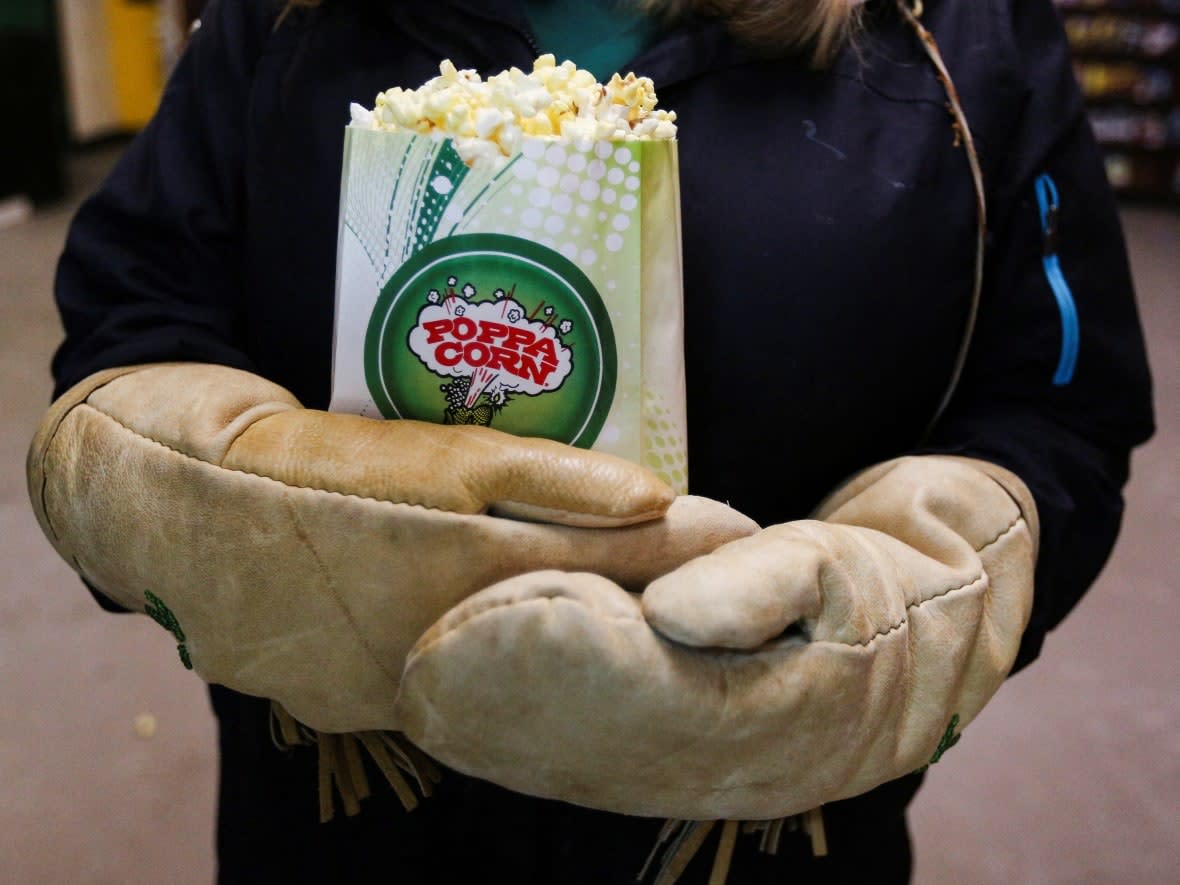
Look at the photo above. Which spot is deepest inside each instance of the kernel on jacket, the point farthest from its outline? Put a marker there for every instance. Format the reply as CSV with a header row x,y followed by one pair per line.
x,y
828,224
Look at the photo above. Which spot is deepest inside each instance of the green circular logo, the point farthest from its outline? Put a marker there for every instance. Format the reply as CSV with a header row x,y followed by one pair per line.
x,y
496,330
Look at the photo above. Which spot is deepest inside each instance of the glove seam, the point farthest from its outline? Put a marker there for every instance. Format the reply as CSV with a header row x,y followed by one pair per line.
x,y
334,592
1022,504
880,634
913,606
51,437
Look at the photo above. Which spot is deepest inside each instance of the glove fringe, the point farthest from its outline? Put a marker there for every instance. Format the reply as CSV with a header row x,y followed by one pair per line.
x,y
342,768
342,773
680,840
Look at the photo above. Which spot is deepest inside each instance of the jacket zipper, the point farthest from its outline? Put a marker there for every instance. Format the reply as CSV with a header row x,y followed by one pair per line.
x,y
531,39
1049,204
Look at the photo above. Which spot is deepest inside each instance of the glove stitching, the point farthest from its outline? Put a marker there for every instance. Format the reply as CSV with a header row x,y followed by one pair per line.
x,y
904,621
334,592
940,595
59,421
880,634
999,537
721,790
42,495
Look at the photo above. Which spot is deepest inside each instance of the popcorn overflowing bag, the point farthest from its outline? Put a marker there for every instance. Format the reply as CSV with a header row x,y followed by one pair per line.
x,y
509,255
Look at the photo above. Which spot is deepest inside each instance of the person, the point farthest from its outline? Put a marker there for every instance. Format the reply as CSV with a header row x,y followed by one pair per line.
x,y
903,265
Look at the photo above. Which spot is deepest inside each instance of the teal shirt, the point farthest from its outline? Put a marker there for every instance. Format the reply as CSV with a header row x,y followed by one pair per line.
x,y
598,35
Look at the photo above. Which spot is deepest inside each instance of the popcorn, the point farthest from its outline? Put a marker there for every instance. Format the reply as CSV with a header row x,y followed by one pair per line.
x,y
493,227
488,119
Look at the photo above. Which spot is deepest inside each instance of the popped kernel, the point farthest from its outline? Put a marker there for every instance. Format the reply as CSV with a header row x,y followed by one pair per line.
x,y
488,118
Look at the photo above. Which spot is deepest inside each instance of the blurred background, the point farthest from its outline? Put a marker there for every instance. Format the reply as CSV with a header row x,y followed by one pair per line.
x,y
107,745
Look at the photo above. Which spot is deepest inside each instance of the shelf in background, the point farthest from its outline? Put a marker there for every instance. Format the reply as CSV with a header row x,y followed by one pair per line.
x,y
1126,56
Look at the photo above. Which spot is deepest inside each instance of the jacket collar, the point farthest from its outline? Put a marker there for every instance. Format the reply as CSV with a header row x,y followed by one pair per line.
x,y
488,35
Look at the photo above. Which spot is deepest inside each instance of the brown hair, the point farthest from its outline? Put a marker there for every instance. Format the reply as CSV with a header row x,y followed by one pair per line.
x,y
818,28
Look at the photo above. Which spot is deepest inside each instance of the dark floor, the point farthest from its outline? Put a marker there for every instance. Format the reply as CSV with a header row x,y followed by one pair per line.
x,y
1070,777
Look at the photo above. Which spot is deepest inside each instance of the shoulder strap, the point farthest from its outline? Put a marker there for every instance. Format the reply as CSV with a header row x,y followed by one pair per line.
x,y
290,6
911,11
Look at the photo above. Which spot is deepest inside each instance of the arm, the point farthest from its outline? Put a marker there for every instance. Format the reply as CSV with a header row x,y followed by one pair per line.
x,y
149,270
151,265
1066,432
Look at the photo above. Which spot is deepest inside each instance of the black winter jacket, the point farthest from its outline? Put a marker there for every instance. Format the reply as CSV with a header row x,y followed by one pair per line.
x,y
829,231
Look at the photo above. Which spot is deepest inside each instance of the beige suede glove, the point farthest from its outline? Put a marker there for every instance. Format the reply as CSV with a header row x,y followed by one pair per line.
x,y
805,664
297,555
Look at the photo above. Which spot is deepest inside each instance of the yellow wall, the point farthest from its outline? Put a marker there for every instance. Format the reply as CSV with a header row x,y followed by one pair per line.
x,y
137,66
115,57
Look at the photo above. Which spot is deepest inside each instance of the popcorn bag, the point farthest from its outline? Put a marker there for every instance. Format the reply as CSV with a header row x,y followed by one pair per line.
x,y
509,255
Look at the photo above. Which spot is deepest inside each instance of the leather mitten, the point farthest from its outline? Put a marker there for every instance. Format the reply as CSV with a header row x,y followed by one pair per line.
x,y
806,663
297,554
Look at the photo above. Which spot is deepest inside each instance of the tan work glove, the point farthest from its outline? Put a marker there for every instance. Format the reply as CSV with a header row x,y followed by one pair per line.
x,y
805,664
297,554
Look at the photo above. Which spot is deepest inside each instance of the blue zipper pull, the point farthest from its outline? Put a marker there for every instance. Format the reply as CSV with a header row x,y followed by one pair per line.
x,y
1049,204
1050,229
